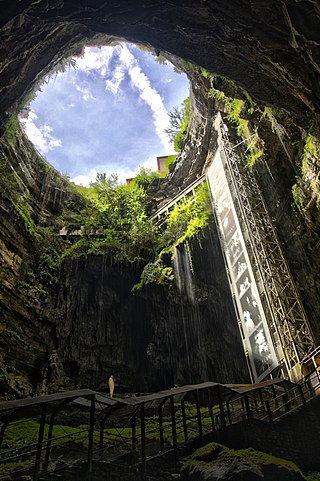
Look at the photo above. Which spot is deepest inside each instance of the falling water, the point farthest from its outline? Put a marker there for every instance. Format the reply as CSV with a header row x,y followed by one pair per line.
x,y
183,269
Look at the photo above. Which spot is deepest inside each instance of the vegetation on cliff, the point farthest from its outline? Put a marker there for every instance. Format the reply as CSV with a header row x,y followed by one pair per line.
x,y
186,219
115,221
178,124
240,109
306,190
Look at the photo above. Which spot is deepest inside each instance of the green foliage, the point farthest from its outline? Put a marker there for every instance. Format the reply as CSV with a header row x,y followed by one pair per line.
x,y
267,113
298,197
178,124
145,177
188,217
169,161
155,273
237,109
19,201
182,134
311,151
11,128
313,476
306,190
89,193
114,221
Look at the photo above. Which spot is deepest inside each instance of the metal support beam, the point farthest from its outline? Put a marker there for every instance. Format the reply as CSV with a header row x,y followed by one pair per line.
x,y
247,406
50,432
7,421
199,414
184,420
91,433
143,438
275,395
228,412
222,415
133,434
173,426
269,412
160,417
102,428
210,410
39,443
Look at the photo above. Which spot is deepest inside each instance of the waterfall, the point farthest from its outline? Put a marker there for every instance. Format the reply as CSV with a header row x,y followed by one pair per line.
x,y
183,269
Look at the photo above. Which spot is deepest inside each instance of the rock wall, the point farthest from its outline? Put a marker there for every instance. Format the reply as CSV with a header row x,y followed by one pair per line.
x,y
152,339
73,326
69,328
276,172
269,48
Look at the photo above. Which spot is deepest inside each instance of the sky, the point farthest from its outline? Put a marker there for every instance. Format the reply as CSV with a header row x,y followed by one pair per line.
x,y
107,115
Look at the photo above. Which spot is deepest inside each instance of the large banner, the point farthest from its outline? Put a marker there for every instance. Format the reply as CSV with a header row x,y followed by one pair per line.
x,y
252,322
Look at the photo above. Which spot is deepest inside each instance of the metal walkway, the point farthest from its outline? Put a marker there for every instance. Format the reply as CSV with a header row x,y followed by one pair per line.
x,y
132,429
160,215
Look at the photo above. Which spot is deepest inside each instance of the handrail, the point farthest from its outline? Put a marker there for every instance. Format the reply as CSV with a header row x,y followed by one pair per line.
x,y
181,194
190,421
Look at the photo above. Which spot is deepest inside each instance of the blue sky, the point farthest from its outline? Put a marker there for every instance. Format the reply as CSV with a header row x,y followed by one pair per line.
x,y
108,115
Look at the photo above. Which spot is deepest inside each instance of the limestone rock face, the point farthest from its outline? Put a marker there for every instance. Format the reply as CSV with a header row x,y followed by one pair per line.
x,y
77,326
270,48
153,339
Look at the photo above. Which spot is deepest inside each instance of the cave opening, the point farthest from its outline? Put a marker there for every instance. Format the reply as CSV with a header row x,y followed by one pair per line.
x,y
108,111
75,308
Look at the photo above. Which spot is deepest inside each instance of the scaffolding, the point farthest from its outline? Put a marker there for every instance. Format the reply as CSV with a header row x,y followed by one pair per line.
x,y
289,326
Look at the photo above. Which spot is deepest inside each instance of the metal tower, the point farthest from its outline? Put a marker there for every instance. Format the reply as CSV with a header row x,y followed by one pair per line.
x,y
289,327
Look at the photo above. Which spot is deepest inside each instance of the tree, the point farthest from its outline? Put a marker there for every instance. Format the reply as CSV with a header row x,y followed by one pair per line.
x,y
175,122
179,119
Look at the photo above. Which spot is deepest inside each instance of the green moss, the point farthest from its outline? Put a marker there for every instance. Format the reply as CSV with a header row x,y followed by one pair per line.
x,y
188,217
11,128
306,190
169,161
155,273
267,113
227,461
237,108
298,198
313,476
311,150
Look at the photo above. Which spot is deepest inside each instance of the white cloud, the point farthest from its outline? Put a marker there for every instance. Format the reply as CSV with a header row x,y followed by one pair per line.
x,y
85,93
98,58
95,58
155,102
150,163
68,106
85,180
114,83
148,94
40,136
123,174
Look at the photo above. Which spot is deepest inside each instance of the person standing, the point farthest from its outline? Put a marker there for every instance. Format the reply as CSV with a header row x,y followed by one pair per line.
x,y
111,385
